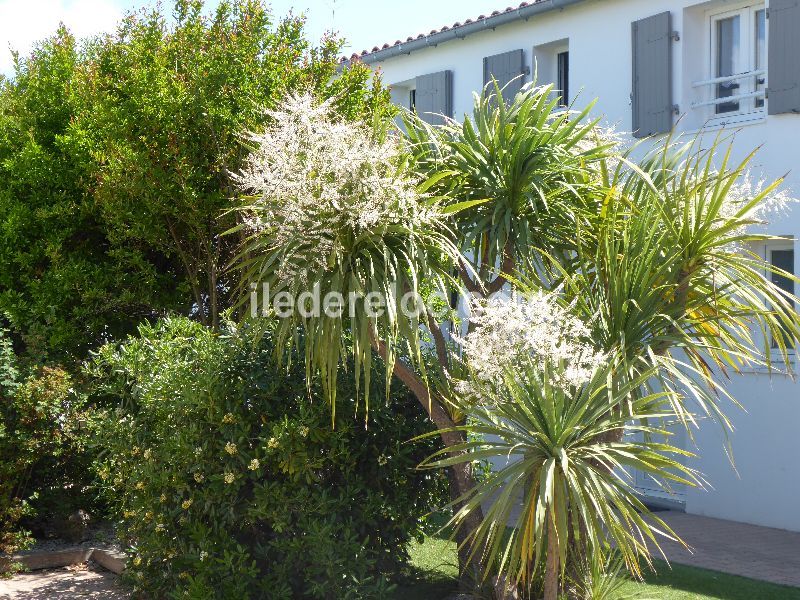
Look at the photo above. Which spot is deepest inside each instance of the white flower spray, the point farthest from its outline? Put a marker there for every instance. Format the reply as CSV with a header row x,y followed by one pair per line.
x,y
535,326
319,181
776,202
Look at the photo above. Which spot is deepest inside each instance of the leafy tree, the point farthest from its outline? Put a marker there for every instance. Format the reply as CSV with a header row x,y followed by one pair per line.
x,y
170,104
64,287
115,162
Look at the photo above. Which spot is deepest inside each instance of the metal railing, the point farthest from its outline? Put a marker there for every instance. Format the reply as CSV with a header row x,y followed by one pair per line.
x,y
730,79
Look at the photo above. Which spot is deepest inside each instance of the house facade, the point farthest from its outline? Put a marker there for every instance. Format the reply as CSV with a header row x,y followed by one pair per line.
x,y
725,66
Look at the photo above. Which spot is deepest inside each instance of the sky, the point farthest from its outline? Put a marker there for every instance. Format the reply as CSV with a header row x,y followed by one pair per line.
x,y
364,23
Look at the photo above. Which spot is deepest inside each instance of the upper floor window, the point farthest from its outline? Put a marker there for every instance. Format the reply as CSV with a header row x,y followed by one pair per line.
x,y
738,60
552,67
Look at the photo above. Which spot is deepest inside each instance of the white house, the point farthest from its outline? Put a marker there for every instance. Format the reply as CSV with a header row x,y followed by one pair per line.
x,y
654,65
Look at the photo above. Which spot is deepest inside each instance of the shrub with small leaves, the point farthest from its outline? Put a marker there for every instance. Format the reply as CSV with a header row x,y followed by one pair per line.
x,y
44,452
230,481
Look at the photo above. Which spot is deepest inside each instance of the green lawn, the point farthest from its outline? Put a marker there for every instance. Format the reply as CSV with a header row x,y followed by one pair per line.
x,y
435,562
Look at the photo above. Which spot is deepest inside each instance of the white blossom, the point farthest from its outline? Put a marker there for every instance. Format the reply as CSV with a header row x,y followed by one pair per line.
x,y
744,189
536,326
319,180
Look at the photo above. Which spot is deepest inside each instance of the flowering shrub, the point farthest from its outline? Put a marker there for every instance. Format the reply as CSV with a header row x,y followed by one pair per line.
x,y
320,181
231,483
44,451
333,207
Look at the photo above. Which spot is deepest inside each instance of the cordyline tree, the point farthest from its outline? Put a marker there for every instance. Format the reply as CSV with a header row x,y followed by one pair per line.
x,y
635,289
639,294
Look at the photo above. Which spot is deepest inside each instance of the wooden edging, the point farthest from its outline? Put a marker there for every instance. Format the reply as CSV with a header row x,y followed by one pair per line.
x,y
108,559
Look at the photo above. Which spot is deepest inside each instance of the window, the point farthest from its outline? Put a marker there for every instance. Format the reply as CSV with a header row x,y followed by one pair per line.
x,y
562,76
551,61
738,60
782,257
412,100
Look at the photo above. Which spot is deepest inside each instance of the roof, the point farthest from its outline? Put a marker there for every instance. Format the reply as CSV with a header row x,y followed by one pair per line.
x,y
459,30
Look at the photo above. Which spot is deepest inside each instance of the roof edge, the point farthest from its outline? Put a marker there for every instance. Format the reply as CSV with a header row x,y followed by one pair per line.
x,y
523,12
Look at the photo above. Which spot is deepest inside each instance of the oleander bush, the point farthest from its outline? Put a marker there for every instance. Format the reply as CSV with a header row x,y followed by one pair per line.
x,y
231,482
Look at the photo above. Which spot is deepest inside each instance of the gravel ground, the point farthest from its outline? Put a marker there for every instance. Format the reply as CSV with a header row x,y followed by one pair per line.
x,y
78,581
101,536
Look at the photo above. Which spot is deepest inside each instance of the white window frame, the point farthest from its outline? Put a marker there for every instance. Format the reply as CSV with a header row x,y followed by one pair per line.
x,y
748,111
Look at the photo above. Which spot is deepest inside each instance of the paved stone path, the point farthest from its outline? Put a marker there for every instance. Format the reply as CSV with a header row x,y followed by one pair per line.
x,y
62,584
736,548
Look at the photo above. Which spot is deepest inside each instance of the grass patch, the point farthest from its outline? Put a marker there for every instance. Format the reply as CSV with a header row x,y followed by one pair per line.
x,y
435,569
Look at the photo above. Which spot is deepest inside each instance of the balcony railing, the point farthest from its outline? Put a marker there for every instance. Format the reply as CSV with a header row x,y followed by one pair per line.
x,y
729,79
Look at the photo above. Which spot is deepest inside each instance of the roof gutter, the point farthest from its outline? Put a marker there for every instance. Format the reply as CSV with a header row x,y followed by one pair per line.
x,y
462,31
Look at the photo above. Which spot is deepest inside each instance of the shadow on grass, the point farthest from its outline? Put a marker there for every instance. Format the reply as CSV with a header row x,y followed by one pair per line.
x,y
434,571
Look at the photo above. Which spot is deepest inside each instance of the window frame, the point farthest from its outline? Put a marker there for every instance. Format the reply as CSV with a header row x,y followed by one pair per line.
x,y
788,243
562,73
748,107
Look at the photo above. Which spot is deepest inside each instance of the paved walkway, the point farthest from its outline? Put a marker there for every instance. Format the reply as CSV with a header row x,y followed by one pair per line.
x,y
63,584
747,550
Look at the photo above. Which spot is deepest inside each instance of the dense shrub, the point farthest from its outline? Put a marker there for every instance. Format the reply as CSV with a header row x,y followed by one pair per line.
x,y
231,482
45,459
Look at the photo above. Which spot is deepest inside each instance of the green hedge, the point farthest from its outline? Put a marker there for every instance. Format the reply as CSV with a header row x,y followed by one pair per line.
x,y
231,482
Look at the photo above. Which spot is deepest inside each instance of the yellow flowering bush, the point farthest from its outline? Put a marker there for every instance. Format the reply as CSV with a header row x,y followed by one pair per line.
x,y
248,488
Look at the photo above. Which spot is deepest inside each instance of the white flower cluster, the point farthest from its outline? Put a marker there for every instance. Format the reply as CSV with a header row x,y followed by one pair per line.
x,y
535,326
745,189
318,180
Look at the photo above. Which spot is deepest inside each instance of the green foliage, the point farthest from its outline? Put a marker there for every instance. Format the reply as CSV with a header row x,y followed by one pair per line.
x,y
519,173
114,165
666,275
45,461
63,287
231,483
552,451
655,258
171,104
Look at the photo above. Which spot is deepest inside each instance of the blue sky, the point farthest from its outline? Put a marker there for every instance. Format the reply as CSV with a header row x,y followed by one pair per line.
x,y
363,23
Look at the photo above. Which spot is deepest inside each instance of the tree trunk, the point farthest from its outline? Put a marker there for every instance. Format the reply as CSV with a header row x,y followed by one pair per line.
x,y
461,477
551,566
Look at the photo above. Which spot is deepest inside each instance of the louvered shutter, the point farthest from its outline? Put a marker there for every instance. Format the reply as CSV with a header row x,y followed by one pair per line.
x,y
652,75
783,56
508,69
434,96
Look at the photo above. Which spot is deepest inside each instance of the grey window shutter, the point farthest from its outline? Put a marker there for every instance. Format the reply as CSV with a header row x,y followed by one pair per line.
x,y
434,96
652,75
506,68
783,57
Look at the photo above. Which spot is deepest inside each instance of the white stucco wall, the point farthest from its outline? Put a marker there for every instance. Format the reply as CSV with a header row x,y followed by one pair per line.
x,y
766,442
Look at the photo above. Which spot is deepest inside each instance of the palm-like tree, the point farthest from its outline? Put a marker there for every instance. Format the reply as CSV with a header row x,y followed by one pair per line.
x,y
310,178
655,256
562,482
